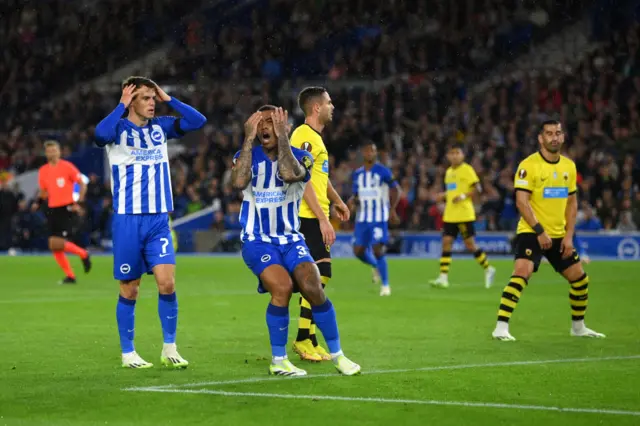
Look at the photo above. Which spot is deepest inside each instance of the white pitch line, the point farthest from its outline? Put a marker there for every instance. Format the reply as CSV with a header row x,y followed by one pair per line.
x,y
401,370
400,401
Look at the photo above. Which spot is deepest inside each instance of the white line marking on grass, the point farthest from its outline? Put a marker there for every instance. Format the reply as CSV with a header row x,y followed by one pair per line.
x,y
398,401
394,371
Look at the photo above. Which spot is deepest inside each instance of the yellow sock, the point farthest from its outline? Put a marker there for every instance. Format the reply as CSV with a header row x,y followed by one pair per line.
x,y
579,297
304,321
510,297
445,262
481,258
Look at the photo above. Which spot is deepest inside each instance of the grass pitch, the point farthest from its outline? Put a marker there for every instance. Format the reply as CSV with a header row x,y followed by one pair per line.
x,y
427,354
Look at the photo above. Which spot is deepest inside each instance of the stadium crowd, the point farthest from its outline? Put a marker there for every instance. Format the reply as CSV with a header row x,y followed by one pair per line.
x,y
423,104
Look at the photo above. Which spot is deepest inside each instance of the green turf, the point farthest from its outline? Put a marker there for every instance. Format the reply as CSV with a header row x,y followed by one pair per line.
x,y
60,352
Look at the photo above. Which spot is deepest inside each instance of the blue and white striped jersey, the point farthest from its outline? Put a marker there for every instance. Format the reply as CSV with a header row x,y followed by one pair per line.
x,y
139,160
140,179
372,189
270,206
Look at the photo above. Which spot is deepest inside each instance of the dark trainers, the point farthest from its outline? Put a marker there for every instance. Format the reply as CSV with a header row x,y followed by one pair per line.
x,y
86,263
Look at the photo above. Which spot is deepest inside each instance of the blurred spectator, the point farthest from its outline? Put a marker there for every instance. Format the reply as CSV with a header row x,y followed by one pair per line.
x,y
588,221
419,103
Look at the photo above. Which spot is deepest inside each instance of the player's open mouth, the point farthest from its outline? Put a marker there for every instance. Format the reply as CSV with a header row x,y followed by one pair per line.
x,y
266,137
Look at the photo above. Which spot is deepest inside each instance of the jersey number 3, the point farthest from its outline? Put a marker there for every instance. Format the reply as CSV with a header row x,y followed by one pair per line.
x,y
302,251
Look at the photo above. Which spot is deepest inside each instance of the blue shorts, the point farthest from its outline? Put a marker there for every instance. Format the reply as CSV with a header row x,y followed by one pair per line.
x,y
258,255
140,242
368,234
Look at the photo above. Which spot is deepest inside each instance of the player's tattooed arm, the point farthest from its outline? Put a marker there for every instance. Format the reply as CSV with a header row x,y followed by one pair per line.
x,y
241,172
288,165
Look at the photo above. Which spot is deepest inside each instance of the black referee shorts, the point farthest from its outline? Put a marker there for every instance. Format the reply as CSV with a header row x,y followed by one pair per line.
x,y
60,221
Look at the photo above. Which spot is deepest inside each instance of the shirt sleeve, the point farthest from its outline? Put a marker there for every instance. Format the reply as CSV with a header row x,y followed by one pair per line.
x,y
473,177
106,129
191,118
573,179
74,173
171,127
296,139
299,139
523,180
306,159
235,157
388,178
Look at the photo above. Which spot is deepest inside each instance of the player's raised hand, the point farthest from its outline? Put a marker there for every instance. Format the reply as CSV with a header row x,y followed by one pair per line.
x,y
162,95
544,241
251,125
566,247
280,120
128,92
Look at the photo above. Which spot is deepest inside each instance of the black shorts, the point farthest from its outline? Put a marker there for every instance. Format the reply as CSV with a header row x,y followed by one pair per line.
x,y
527,247
60,221
310,228
466,229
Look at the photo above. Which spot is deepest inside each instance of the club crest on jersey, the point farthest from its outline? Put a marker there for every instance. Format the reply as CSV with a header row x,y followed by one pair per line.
x,y
157,135
522,173
307,146
60,182
565,176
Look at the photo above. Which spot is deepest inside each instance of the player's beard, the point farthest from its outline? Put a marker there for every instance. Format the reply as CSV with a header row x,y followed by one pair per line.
x,y
327,117
553,149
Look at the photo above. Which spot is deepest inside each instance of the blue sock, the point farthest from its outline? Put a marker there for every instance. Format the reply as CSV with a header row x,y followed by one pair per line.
x,y
368,258
168,312
383,270
125,315
325,318
278,324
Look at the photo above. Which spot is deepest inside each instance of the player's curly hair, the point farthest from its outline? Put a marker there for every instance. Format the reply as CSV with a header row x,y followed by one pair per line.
x,y
138,81
307,95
